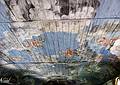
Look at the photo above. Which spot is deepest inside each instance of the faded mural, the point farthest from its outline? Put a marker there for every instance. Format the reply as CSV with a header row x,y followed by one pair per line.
x,y
77,39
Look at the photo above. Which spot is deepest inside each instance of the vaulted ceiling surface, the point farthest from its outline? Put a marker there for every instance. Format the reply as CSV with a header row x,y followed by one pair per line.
x,y
49,36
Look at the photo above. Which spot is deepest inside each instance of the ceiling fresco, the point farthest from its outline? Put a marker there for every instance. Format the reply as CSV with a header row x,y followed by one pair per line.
x,y
56,37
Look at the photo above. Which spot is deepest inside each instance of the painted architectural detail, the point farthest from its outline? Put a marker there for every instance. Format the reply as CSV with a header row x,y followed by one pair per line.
x,y
52,9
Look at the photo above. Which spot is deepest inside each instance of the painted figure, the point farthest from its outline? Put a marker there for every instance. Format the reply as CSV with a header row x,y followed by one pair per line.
x,y
111,45
69,53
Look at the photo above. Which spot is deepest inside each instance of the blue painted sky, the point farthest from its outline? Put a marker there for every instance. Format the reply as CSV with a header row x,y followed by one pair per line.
x,y
3,18
108,8
56,42
16,53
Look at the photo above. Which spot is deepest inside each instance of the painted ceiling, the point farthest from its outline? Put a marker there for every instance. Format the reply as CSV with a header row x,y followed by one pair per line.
x,y
49,36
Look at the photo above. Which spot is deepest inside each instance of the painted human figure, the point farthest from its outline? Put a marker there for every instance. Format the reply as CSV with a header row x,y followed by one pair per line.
x,y
69,53
112,45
